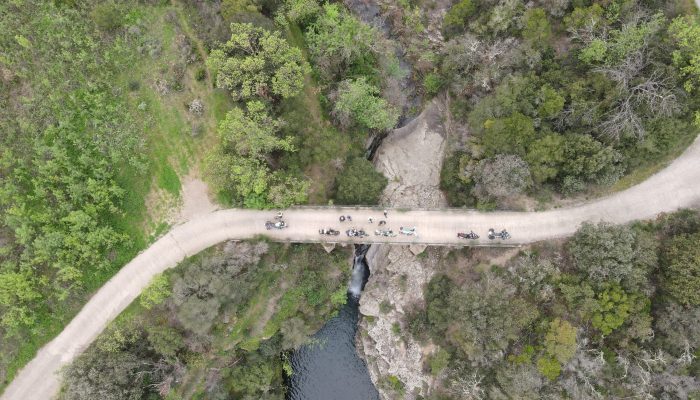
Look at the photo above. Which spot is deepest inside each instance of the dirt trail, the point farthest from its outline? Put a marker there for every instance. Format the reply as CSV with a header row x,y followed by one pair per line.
x,y
677,186
195,199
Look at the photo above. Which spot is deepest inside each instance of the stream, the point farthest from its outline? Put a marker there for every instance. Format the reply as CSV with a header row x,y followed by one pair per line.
x,y
329,368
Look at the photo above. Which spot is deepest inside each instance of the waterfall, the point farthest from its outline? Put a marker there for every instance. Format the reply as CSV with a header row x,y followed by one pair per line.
x,y
360,271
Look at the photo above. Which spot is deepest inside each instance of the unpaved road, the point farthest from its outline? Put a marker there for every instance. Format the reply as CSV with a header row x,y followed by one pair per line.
x,y
677,186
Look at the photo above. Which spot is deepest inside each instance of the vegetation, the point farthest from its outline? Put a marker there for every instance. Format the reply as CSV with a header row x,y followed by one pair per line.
x,y
594,317
257,63
209,338
111,112
581,102
360,183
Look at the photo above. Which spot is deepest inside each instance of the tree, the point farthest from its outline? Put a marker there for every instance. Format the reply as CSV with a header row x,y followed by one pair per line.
x,y
519,381
681,269
359,102
156,292
359,183
613,309
500,177
509,135
301,11
258,63
18,292
678,328
685,31
252,133
550,102
240,164
479,319
549,367
588,161
560,340
545,157
95,375
456,17
607,253
537,30
338,40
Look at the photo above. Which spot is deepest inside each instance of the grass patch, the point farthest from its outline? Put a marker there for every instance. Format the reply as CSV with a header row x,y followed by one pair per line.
x,y
168,179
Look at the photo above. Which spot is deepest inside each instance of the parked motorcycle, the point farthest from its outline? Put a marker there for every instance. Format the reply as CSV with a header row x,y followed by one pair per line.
x,y
503,235
276,225
471,235
329,232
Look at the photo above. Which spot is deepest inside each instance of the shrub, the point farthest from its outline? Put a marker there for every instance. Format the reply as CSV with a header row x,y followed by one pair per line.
x,y
432,83
359,183
107,16
200,74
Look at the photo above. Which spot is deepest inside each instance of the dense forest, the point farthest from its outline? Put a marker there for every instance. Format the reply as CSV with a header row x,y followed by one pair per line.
x,y
219,326
562,97
613,312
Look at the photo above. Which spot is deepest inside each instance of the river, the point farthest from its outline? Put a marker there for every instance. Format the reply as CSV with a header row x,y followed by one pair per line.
x,y
329,368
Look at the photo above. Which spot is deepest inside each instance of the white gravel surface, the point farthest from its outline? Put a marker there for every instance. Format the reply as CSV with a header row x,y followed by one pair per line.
x,y
677,186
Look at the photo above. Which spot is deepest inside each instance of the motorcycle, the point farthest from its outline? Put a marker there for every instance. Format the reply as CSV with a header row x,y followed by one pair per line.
x,y
408,231
329,232
503,235
276,225
471,235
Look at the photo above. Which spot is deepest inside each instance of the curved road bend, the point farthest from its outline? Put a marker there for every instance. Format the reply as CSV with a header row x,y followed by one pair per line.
x,y
677,186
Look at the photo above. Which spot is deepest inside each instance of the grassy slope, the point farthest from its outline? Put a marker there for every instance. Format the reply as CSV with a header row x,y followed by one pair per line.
x,y
171,150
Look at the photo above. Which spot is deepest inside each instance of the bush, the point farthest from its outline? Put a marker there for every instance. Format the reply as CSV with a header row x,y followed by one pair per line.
x,y
456,17
107,17
360,183
432,83
200,74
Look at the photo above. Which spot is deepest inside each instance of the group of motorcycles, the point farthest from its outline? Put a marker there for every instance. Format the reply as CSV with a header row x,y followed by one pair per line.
x,y
278,223
503,235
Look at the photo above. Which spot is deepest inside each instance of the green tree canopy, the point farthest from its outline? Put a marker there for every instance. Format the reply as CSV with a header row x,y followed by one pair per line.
x,y
359,183
681,269
457,15
240,164
252,133
545,156
537,29
613,308
509,135
560,340
359,101
337,40
686,34
255,62
607,253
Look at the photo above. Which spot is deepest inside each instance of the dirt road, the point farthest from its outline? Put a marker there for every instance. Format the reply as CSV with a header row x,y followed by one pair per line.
x,y
677,186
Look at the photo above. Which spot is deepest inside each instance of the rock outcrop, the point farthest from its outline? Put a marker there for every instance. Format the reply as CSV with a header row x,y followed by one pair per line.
x,y
411,157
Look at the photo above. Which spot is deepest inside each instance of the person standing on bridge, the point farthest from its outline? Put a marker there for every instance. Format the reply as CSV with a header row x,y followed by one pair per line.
x,y
370,220
385,213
